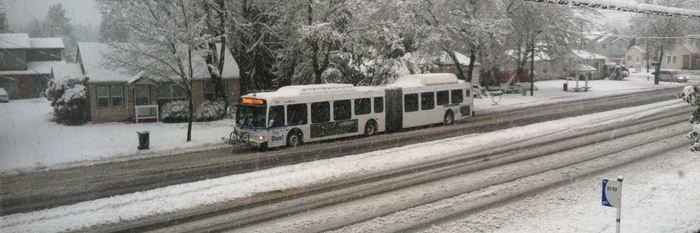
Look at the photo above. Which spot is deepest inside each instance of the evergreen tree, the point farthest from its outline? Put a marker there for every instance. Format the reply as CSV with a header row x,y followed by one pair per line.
x,y
112,30
4,27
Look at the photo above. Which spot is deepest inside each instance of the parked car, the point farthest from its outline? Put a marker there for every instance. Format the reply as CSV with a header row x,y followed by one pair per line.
x,y
3,96
672,76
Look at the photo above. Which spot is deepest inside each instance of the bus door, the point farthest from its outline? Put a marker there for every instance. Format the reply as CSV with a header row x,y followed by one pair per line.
x,y
277,128
394,109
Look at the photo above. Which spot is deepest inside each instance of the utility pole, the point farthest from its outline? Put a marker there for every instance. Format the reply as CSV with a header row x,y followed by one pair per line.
x,y
532,68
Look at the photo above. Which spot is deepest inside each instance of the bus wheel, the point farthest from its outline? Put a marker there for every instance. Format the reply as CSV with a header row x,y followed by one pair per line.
x,y
370,128
294,138
449,118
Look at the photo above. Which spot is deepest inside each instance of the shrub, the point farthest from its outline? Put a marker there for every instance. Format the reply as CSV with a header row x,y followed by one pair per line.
x,y
210,111
175,112
68,97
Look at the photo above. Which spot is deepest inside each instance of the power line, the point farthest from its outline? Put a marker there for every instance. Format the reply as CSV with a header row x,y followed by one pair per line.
x,y
627,6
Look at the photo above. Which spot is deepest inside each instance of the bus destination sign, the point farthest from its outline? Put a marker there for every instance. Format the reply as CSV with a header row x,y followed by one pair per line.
x,y
253,101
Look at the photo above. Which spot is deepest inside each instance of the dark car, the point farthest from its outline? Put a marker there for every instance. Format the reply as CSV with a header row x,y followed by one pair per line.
x,y
3,96
672,76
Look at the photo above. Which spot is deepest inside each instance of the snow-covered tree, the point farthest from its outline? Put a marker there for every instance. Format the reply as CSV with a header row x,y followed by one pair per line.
x,y
316,30
662,32
254,31
554,30
4,26
57,24
455,25
171,38
691,95
112,30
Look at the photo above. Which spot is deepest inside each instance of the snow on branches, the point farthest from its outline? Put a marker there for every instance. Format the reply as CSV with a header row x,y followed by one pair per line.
x,y
690,95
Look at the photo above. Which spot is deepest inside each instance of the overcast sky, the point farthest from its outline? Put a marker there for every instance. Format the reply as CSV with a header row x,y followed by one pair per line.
x,y
21,12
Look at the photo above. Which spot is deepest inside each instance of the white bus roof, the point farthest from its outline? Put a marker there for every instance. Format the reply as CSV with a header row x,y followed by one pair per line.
x,y
314,89
425,80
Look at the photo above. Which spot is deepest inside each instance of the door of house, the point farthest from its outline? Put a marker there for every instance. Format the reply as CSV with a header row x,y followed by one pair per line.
x,y
686,62
142,102
142,95
24,87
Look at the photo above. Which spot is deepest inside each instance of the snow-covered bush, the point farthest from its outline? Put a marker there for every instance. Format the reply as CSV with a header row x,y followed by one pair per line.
x,y
68,97
175,112
210,111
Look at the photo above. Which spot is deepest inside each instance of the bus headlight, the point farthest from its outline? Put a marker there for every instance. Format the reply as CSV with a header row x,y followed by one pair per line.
x,y
261,138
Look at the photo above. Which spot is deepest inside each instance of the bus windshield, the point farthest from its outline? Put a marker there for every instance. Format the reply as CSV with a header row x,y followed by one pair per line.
x,y
251,116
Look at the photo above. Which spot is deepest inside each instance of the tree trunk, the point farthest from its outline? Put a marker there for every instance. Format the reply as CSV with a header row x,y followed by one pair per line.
x,y
190,118
658,66
472,60
458,66
532,69
219,88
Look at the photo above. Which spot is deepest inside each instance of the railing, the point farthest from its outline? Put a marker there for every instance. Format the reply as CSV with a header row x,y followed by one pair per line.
x,y
146,112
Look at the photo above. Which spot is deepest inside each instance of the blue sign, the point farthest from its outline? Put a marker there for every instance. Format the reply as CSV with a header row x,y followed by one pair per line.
x,y
612,193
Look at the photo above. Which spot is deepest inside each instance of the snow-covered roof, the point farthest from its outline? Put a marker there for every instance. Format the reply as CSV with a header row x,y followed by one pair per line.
x,y
46,43
97,69
62,70
639,48
461,58
418,80
583,67
36,67
92,61
693,46
588,55
231,69
14,41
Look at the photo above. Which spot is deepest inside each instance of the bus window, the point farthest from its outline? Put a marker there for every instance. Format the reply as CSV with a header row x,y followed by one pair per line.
x,y
427,100
410,102
249,115
378,104
296,114
457,96
443,97
363,106
277,116
320,112
341,110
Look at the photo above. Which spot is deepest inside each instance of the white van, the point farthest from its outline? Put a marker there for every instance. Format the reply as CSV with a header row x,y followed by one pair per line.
x,y
3,96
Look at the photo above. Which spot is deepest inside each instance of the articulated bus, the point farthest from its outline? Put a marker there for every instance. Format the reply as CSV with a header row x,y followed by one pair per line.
x,y
307,113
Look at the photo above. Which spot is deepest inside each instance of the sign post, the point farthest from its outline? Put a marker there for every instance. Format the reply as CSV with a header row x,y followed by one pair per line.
x,y
612,196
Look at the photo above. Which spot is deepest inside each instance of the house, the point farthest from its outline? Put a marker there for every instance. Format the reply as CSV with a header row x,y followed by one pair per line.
x,y
447,65
117,95
27,64
635,57
683,55
547,69
608,44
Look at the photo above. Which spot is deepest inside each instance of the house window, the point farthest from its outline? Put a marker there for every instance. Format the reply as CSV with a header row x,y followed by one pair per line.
x,y
170,92
605,45
671,59
596,65
629,58
209,93
110,96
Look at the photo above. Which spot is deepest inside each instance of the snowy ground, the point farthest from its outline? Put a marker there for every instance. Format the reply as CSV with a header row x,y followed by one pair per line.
x,y
30,141
45,145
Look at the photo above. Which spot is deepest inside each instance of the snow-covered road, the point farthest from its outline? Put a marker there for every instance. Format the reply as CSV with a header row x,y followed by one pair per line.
x,y
180,197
